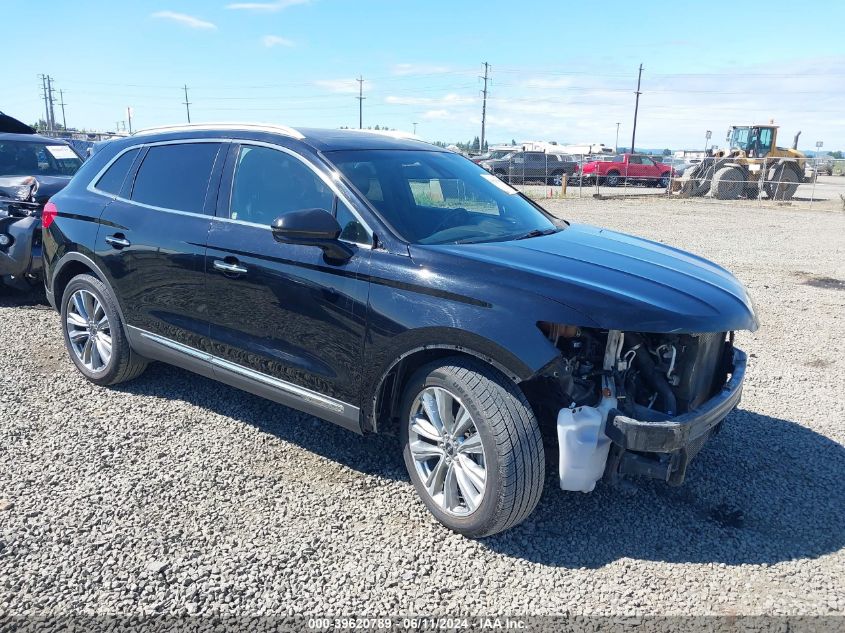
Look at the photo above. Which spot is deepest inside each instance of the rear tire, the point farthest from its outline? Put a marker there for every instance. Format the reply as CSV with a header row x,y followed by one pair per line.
x,y
782,182
612,179
556,179
489,422
94,334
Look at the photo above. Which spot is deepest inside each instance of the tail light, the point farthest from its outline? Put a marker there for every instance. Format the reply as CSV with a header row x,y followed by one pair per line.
x,y
48,215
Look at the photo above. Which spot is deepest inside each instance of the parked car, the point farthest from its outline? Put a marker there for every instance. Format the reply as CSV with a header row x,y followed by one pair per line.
x,y
822,167
390,286
32,168
493,155
630,168
525,167
680,165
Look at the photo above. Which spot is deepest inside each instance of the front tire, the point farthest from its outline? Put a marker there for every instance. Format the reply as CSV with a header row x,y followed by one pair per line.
x,y
728,183
94,334
472,446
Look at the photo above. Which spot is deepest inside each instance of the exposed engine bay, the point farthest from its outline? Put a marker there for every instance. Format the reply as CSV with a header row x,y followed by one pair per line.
x,y
648,378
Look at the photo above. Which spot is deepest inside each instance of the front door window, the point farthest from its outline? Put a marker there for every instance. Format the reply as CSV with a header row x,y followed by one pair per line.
x,y
269,182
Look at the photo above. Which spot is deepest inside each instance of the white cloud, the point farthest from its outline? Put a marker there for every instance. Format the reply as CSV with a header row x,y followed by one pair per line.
x,y
450,99
265,7
340,85
186,20
437,114
274,40
419,69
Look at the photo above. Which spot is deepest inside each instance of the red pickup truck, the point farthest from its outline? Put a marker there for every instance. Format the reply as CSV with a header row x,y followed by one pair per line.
x,y
631,168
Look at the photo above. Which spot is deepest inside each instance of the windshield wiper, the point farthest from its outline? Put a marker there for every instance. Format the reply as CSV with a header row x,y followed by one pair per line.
x,y
534,233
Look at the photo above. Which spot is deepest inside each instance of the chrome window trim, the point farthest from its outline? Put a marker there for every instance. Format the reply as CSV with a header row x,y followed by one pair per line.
x,y
321,400
200,127
328,181
93,188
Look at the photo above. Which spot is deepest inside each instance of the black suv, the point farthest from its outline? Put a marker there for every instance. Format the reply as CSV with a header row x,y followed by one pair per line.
x,y
390,286
522,168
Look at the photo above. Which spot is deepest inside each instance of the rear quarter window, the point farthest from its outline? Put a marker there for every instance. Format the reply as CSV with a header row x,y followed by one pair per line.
x,y
175,176
112,181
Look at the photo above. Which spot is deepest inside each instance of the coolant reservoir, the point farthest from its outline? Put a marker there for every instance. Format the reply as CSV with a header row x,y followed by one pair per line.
x,y
582,445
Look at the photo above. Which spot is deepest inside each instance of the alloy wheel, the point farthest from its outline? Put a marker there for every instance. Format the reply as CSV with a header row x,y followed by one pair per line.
x,y
447,451
89,330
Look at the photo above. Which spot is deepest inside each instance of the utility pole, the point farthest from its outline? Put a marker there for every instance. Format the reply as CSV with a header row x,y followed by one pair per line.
x,y
63,104
46,105
187,104
616,147
415,127
129,117
484,106
52,101
636,108
360,98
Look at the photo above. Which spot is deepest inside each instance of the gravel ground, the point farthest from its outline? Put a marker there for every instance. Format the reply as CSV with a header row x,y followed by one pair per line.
x,y
826,194
175,494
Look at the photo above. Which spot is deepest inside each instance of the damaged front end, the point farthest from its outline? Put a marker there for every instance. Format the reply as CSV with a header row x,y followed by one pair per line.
x,y
631,403
20,235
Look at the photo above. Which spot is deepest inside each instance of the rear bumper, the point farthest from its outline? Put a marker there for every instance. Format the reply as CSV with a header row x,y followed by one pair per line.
x,y
664,449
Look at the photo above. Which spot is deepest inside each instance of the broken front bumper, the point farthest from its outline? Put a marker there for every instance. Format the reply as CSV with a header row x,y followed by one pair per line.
x,y
21,254
664,449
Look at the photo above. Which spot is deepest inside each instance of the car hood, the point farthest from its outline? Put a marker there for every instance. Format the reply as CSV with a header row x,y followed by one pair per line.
x,y
620,281
15,187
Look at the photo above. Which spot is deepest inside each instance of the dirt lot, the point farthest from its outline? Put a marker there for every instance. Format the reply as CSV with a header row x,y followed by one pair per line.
x,y
174,494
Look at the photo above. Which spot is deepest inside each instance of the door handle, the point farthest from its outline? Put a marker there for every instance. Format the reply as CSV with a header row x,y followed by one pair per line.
x,y
118,241
229,267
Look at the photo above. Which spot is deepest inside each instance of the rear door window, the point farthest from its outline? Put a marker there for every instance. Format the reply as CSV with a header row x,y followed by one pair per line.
x,y
175,176
112,181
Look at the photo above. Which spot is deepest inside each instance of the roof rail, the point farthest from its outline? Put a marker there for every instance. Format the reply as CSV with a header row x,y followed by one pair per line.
x,y
259,127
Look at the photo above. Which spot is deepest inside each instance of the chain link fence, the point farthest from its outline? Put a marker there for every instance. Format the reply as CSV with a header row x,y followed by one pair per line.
x,y
803,182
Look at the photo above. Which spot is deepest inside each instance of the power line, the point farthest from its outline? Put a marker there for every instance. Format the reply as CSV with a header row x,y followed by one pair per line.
x,y
52,102
187,103
46,106
63,104
636,108
360,98
484,106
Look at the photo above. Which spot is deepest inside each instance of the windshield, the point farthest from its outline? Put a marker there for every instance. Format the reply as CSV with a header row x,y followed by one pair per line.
x,y
21,158
439,197
501,153
739,138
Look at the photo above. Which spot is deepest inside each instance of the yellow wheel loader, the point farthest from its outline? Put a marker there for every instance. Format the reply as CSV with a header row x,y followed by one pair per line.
x,y
752,163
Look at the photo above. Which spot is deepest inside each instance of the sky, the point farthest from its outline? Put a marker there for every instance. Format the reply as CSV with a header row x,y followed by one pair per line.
x,y
562,71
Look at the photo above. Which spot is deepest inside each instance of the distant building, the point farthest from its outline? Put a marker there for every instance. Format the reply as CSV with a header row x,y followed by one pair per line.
x,y
586,148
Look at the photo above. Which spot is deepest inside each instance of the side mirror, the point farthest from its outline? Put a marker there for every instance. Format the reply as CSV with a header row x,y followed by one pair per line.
x,y
311,227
